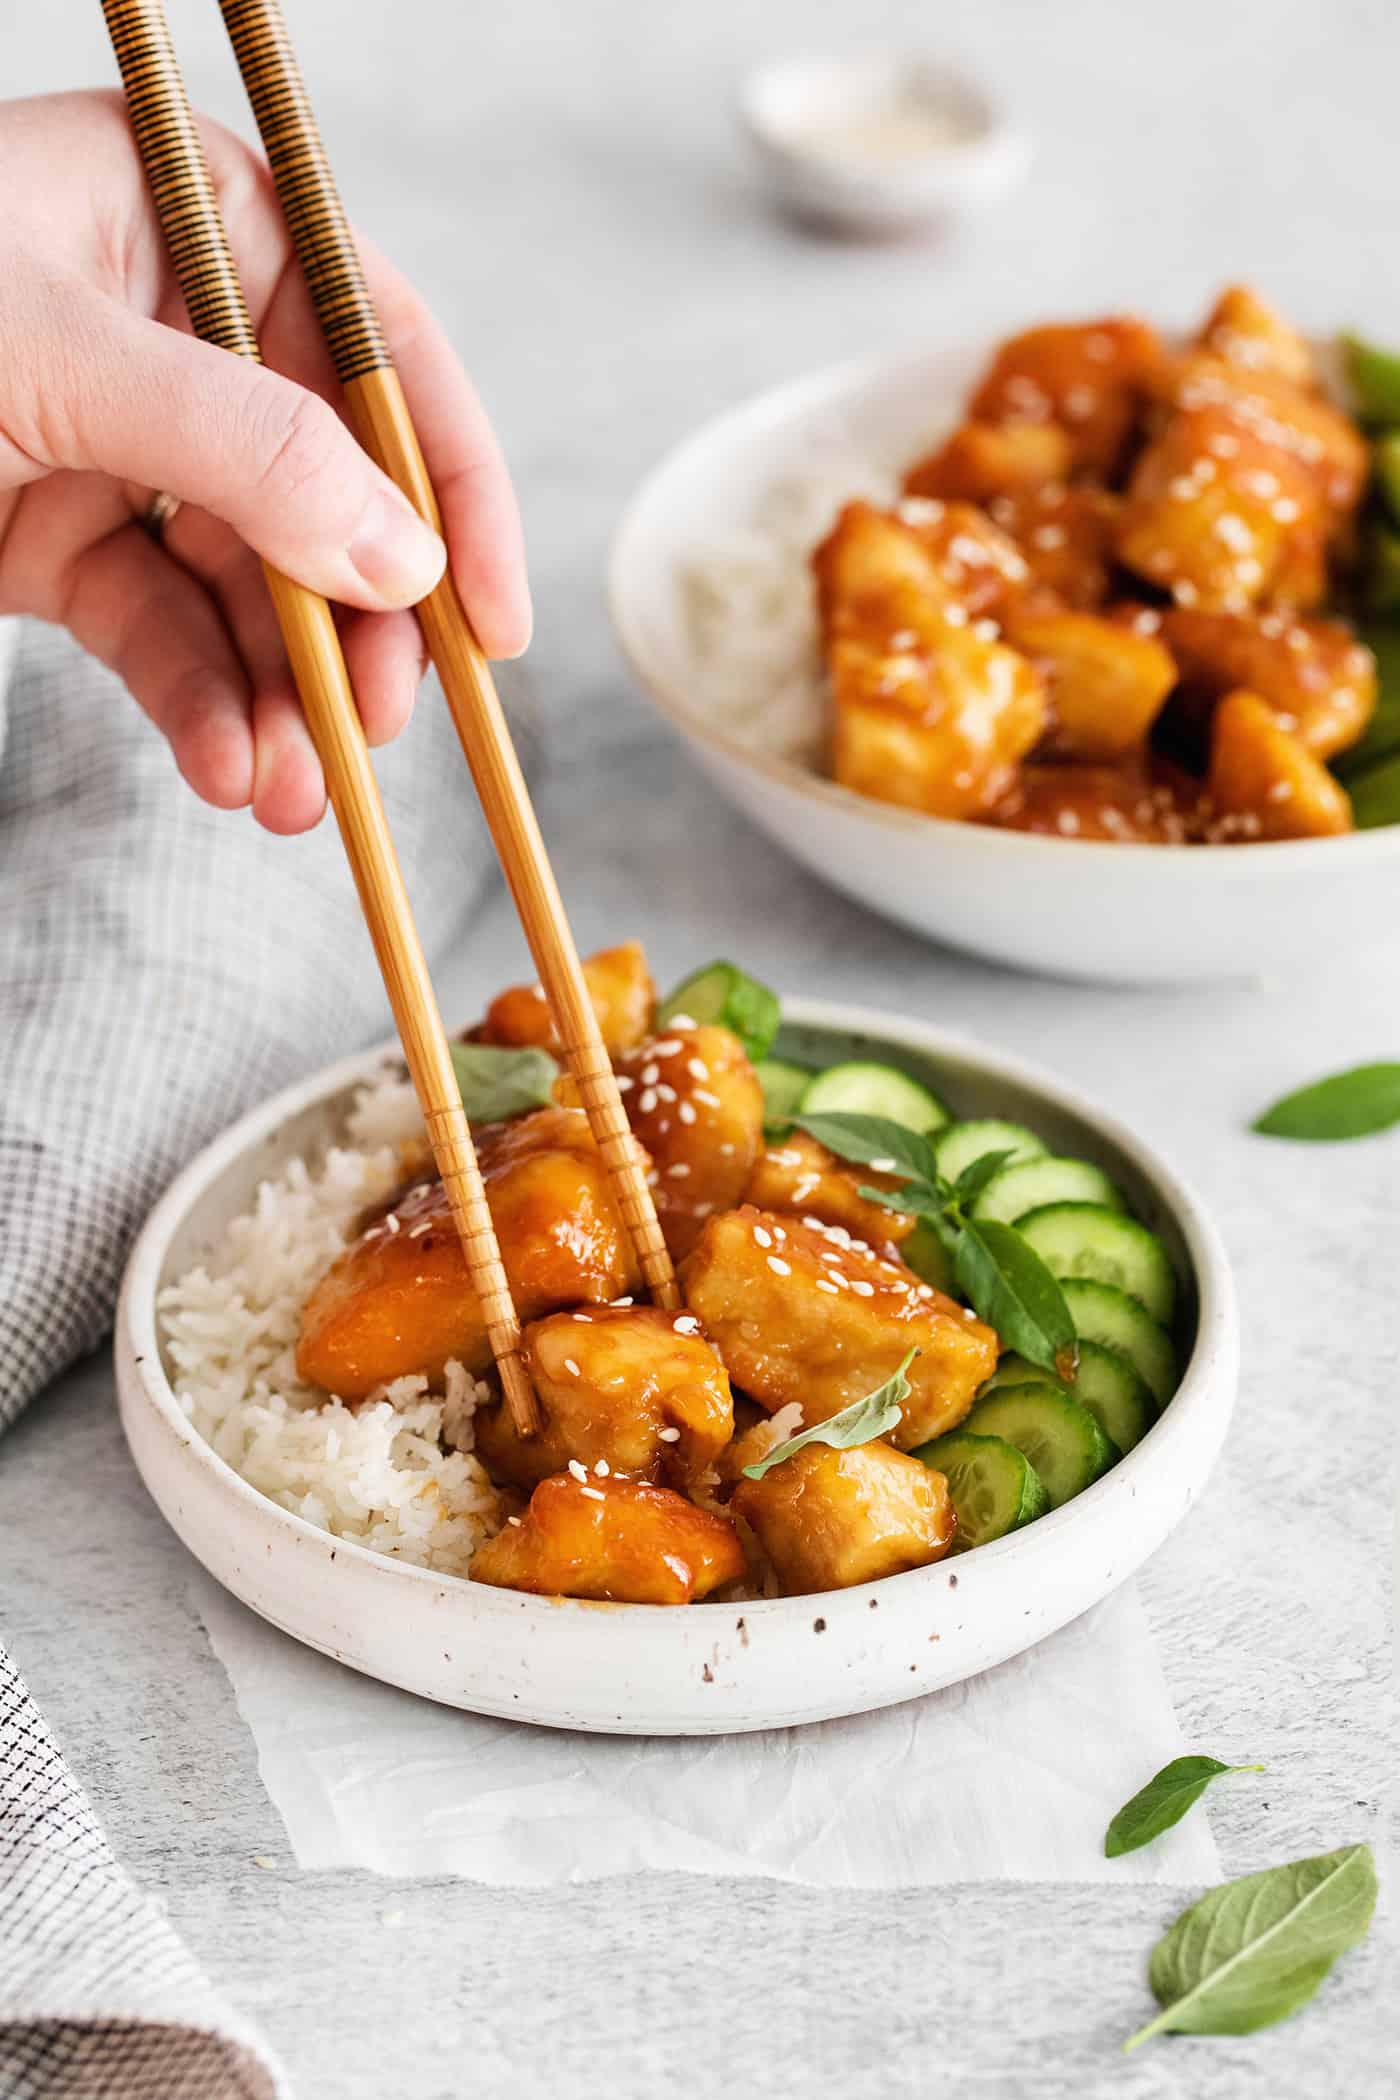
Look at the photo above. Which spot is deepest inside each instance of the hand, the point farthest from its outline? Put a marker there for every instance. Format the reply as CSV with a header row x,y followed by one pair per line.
x,y
106,397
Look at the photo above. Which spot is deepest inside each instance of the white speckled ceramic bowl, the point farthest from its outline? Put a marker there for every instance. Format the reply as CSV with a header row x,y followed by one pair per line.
x,y
1071,907
710,1668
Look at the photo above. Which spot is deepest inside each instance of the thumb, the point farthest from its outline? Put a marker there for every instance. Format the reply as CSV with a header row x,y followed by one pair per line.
x,y
152,405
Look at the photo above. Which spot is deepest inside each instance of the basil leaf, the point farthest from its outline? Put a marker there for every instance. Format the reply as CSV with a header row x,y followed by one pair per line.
x,y
495,1083
1375,379
1252,1951
1009,1286
1163,1801
973,1179
1349,1104
860,1423
874,1141
1375,794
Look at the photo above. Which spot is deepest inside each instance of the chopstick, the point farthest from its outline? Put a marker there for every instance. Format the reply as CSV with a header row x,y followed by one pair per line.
x,y
331,265
189,214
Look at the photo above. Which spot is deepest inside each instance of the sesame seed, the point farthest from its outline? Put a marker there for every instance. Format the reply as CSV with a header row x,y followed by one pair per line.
x,y
1223,445
884,1166
710,1100
1048,537
668,1436
697,1068
1079,403
579,1472
650,1074
779,1266
861,1288
391,1223
669,1046
624,1084
763,1235
571,1367
678,1170
665,1093
1286,511
802,1189
594,1494
985,630
621,1301
919,510
686,1112
903,638
516,1521
647,1101
823,1285
686,1323
1066,823
1281,791
416,1232
955,615
602,1469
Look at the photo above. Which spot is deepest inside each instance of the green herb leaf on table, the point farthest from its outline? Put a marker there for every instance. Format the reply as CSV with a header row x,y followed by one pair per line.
x,y
1254,1950
1346,1105
874,1141
495,1083
860,1423
1163,1801
1008,1285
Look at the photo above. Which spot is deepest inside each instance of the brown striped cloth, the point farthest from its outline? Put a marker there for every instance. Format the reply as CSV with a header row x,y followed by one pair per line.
x,y
162,968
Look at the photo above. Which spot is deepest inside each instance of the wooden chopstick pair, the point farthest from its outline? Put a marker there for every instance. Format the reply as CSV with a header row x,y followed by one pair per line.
x,y
170,149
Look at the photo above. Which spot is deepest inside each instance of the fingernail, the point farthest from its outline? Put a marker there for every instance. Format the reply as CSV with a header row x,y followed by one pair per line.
x,y
399,557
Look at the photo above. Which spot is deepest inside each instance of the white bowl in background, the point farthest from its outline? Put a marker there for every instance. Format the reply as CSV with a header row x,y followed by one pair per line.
x,y
878,144
707,1668
1115,912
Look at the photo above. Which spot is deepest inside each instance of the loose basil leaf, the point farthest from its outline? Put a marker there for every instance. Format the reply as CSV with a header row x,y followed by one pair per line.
x,y
874,1141
860,1423
1375,794
496,1083
1163,1801
1348,1105
1375,380
1009,1286
1254,1950
973,1179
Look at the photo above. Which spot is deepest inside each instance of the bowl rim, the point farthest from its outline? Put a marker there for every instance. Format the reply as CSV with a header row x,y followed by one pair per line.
x,y
1214,1349
790,400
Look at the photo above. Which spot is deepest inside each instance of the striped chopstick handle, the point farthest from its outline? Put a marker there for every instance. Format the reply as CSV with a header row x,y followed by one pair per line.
x,y
305,186
170,147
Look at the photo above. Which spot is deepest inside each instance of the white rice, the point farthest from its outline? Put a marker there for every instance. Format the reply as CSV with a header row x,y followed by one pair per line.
x,y
750,606
395,1473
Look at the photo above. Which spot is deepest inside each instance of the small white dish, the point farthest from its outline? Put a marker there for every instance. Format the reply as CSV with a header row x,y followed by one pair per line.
x,y
1112,912
709,1668
878,144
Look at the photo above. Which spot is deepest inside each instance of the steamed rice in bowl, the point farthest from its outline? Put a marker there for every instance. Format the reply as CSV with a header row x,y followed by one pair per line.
x,y
396,1473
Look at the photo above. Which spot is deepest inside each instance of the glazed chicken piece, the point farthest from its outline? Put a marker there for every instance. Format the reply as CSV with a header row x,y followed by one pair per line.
x,y
829,1519
799,1177
1264,782
1106,682
631,1387
1244,329
982,461
1151,804
1234,502
806,1313
399,1300
1320,681
695,1103
619,985
623,1540
1067,537
984,570
1086,378
928,712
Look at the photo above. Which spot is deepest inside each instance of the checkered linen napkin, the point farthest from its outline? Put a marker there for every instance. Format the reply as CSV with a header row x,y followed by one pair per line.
x,y
162,967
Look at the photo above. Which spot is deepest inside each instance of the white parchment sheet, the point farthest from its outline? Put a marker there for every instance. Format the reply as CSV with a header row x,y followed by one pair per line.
x,y
1011,1776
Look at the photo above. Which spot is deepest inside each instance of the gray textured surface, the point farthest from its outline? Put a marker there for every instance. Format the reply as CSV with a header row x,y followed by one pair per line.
x,y
565,184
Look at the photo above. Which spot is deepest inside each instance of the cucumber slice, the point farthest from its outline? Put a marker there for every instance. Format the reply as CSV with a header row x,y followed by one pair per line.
x,y
994,1487
874,1090
1061,1439
1107,1385
1084,1239
926,1255
1030,1184
1102,1313
783,1087
962,1144
725,996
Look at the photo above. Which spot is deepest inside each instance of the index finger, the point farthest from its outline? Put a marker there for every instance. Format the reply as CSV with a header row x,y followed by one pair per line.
x,y
480,516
